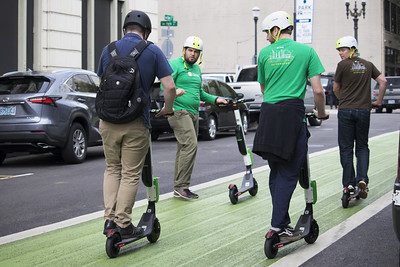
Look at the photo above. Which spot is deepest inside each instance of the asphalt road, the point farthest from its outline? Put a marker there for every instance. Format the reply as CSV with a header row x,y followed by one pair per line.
x,y
43,190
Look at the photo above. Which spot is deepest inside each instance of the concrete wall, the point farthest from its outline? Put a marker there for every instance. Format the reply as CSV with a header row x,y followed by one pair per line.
x,y
227,29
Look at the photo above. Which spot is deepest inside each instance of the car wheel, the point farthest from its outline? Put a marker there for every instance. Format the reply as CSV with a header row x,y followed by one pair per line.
x,y
389,110
2,156
245,123
76,148
314,121
154,136
211,132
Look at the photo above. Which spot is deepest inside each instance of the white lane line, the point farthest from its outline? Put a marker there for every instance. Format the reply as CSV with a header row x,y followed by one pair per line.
x,y
306,252
143,202
6,177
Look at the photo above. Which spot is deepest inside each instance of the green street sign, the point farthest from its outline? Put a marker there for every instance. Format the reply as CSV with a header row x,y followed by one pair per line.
x,y
168,17
169,23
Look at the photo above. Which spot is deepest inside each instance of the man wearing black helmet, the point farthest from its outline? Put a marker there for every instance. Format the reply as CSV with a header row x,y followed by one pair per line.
x,y
126,145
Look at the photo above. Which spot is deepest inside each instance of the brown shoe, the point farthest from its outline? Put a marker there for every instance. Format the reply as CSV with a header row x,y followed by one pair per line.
x,y
185,194
363,189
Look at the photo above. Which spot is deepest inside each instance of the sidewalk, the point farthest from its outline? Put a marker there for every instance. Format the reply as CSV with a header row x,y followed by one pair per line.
x,y
211,231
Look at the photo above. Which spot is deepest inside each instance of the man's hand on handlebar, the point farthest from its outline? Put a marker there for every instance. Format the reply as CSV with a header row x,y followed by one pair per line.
x,y
324,116
221,101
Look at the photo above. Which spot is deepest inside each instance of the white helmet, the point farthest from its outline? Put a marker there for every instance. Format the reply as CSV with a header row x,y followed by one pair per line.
x,y
347,41
280,19
194,42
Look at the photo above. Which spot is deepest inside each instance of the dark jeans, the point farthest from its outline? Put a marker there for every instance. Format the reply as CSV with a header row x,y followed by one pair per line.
x,y
353,127
283,180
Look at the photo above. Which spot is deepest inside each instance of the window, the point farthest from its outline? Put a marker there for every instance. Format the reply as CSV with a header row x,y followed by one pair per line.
x,y
212,88
393,18
81,83
21,85
387,15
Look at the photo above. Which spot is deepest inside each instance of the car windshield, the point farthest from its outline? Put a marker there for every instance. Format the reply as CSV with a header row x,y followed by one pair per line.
x,y
248,75
21,85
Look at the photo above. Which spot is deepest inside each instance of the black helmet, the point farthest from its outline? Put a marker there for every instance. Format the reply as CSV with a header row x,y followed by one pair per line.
x,y
138,17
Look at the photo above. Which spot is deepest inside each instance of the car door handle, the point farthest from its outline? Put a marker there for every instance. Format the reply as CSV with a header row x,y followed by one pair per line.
x,y
237,87
81,100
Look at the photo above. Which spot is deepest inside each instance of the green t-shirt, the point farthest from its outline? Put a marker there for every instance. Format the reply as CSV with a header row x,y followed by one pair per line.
x,y
188,77
283,68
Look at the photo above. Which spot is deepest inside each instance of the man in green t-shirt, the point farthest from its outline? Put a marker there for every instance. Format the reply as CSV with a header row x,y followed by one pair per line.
x,y
184,122
281,138
352,86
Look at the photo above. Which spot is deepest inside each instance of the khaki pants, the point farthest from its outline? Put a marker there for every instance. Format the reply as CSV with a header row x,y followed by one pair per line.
x,y
186,127
125,148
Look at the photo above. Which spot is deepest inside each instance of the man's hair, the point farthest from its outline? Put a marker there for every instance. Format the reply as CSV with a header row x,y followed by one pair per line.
x,y
288,30
134,27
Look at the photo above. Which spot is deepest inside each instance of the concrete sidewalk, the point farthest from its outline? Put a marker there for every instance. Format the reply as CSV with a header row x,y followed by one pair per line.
x,y
211,231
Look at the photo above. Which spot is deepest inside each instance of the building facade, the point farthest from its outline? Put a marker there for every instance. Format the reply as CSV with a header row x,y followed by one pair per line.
x,y
53,34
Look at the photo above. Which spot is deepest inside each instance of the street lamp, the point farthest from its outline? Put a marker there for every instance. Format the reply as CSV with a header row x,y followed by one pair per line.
x,y
256,14
355,14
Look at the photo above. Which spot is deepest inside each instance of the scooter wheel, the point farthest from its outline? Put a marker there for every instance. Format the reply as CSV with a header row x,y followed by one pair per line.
x,y
155,234
254,190
345,200
233,194
270,247
314,232
111,249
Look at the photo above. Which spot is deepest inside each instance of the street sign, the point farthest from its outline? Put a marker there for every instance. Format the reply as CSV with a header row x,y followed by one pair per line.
x,y
169,23
168,17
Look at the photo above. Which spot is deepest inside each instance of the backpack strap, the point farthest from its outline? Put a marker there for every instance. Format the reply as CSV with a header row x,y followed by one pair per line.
x,y
112,49
137,50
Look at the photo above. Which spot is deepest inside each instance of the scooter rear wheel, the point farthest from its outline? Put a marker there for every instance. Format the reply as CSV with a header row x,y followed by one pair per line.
x,y
111,249
345,200
270,249
314,232
254,190
233,194
155,234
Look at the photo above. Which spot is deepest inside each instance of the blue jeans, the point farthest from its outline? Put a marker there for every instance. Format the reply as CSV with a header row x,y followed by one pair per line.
x,y
283,179
353,128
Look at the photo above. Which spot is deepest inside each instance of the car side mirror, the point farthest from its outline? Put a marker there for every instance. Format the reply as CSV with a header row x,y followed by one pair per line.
x,y
239,95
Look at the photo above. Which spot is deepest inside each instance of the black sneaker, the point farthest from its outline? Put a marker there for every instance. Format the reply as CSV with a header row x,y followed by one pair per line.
x,y
130,231
108,225
185,194
363,189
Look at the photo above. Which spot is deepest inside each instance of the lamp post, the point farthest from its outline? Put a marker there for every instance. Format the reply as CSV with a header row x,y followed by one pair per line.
x,y
256,14
355,14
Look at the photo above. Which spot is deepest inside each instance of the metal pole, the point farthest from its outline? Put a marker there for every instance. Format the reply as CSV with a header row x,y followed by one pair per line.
x,y
255,40
356,27
294,20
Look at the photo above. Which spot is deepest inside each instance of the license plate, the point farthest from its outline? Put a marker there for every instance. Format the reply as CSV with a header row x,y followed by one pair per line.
x,y
8,110
391,101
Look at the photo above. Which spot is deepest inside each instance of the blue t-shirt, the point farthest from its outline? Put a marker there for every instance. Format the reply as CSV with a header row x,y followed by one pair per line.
x,y
152,63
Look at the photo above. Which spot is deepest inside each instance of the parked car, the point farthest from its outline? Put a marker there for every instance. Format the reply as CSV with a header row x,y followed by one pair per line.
x,y
327,83
212,118
49,112
391,100
396,199
223,77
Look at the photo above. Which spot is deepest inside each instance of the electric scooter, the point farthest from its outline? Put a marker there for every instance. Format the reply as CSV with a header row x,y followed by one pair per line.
x,y
148,222
249,183
349,196
306,227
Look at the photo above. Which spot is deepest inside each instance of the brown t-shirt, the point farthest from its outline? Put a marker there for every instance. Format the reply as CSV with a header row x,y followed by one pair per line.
x,y
354,76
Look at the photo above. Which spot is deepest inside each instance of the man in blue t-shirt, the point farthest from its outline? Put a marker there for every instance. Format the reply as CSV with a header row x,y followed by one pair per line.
x,y
126,145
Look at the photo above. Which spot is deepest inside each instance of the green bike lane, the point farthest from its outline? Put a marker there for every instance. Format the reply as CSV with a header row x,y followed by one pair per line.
x,y
211,231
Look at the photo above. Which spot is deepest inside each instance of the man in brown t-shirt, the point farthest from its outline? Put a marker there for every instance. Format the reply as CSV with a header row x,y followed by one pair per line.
x,y
352,86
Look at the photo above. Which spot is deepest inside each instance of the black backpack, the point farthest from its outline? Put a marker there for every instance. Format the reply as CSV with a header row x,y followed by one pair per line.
x,y
120,97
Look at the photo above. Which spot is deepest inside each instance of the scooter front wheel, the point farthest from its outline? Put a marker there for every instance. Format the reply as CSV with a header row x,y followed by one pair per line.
x,y
270,247
253,191
345,200
155,234
111,249
233,194
314,232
